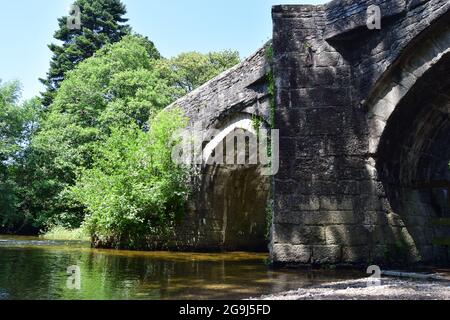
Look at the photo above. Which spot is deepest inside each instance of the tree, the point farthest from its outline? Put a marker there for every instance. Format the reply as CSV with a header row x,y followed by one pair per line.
x,y
134,191
119,86
10,120
16,124
123,85
190,70
102,23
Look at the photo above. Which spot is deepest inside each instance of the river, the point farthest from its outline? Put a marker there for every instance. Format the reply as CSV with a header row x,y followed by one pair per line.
x,y
33,268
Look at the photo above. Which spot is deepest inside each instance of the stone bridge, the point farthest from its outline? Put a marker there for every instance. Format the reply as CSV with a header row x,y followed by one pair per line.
x,y
363,118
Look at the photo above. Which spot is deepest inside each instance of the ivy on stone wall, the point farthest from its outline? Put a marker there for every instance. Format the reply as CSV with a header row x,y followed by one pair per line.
x,y
271,84
271,91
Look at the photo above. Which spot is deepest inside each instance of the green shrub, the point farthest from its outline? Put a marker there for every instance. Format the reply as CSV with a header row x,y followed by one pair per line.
x,y
61,233
134,191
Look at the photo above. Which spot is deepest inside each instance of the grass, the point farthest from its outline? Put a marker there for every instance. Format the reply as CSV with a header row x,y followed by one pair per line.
x,y
60,233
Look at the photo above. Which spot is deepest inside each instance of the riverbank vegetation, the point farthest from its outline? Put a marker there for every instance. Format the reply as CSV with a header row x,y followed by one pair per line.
x,y
93,152
61,233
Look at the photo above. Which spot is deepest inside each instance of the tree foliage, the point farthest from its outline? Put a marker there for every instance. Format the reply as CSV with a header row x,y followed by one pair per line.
x,y
134,190
190,70
16,125
11,120
102,23
122,86
119,87
98,152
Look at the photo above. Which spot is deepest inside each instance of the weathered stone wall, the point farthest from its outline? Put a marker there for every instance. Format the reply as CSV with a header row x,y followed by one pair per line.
x,y
364,128
331,204
228,210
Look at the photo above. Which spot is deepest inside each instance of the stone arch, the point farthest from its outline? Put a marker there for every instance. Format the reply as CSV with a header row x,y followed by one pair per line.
x,y
233,198
401,78
242,122
409,127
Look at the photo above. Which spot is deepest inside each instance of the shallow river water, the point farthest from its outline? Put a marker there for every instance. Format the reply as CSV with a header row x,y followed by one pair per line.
x,y
32,268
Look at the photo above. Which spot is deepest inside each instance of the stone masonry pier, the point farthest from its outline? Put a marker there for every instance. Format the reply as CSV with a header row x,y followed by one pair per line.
x,y
364,138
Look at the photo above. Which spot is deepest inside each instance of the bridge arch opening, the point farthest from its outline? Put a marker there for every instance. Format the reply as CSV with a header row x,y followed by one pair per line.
x,y
413,158
234,194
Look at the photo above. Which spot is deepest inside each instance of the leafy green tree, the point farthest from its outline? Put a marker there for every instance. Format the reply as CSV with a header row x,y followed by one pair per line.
x,y
10,120
122,86
16,124
119,86
190,70
102,23
134,191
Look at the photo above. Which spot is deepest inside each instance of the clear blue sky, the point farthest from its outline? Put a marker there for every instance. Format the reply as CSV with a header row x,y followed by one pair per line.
x,y
27,26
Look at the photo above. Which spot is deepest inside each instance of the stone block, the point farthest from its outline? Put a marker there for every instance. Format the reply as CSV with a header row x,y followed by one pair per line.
x,y
350,187
374,218
356,254
307,203
298,234
317,218
349,235
286,253
339,218
299,218
327,254
327,59
334,203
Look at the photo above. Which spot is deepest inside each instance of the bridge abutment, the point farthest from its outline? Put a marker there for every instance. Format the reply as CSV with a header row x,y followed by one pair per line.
x,y
331,204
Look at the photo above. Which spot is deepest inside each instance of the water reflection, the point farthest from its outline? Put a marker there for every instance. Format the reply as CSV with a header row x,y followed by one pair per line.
x,y
31,268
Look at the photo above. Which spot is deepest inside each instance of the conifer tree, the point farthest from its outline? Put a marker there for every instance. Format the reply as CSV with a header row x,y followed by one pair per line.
x,y
102,22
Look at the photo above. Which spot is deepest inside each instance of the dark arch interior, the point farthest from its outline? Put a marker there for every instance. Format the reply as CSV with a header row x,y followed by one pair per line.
x,y
413,162
235,199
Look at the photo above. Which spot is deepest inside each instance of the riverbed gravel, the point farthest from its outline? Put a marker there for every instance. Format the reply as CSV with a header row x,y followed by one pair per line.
x,y
388,289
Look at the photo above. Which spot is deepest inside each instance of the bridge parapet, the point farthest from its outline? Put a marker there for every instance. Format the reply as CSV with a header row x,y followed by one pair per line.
x,y
242,89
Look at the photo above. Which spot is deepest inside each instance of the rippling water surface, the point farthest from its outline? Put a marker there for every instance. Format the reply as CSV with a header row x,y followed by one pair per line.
x,y
32,268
